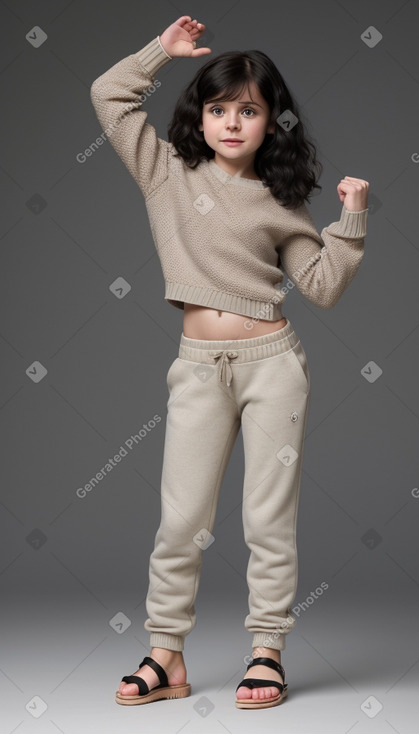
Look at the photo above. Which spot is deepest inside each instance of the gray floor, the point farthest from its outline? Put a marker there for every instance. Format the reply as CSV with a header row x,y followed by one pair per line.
x,y
343,663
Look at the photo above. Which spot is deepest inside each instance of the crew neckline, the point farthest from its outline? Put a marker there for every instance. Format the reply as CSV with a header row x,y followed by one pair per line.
x,y
239,180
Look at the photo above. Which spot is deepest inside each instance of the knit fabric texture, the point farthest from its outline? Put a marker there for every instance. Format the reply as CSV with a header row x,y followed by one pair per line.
x,y
223,241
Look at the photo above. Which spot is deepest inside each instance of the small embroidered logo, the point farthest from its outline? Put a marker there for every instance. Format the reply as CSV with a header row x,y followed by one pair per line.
x,y
294,416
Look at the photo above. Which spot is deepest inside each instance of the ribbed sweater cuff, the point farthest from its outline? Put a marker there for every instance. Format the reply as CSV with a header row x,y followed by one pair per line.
x,y
153,56
351,224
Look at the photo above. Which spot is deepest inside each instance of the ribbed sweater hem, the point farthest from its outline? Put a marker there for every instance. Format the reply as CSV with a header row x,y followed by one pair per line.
x,y
351,224
153,56
201,296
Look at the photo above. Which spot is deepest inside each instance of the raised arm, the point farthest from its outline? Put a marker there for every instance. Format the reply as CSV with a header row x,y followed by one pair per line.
x,y
117,97
322,266
119,93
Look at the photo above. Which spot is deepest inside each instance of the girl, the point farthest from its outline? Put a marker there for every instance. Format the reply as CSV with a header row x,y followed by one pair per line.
x,y
226,203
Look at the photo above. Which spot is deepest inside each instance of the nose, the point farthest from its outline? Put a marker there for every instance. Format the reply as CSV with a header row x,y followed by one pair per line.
x,y
233,120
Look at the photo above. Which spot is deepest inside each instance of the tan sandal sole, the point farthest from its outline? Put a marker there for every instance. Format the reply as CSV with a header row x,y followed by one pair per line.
x,y
262,703
181,691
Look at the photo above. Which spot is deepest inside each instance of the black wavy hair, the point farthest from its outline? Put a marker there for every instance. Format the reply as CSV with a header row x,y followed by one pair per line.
x,y
286,161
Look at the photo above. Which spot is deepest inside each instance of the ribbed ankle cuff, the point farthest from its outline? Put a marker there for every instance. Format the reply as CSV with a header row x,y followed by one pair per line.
x,y
275,640
170,642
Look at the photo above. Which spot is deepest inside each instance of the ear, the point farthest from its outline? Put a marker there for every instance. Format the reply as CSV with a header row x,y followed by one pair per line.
x,y
271,128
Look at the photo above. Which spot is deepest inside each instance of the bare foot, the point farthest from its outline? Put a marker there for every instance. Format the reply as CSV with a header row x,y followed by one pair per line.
x,y
170,660
261,671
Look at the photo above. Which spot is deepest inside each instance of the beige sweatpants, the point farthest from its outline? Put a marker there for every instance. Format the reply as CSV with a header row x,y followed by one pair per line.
x,y
263,385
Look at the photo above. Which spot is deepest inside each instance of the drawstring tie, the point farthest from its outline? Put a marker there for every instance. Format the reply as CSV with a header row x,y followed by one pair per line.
x,y
224,356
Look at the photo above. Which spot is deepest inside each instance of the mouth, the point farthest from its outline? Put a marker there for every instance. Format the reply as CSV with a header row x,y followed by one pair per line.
x,y
232,143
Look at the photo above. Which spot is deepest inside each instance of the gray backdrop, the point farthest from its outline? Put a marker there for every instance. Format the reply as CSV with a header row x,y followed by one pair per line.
x,y
84,370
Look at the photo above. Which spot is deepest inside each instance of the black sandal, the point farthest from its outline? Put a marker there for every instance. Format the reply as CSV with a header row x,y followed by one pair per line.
x,y
262,703
145,695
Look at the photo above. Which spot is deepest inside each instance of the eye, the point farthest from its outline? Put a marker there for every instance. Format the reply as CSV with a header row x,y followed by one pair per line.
x,y
246,109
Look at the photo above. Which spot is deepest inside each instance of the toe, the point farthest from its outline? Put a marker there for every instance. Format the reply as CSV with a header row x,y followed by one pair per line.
x,y
243,692
256,693
263,692
128,689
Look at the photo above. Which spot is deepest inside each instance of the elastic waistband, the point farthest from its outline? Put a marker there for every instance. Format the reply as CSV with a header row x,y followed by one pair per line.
x,y
239,350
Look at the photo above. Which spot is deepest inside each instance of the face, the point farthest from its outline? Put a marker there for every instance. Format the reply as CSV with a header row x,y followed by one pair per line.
x,y
240,118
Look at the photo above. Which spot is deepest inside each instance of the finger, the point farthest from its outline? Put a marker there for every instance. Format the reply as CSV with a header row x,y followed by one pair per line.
x,y
201,51
183,19
194,31
351,182
351,178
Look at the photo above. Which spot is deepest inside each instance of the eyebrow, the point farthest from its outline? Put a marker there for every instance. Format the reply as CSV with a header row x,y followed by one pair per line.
x,y
246,102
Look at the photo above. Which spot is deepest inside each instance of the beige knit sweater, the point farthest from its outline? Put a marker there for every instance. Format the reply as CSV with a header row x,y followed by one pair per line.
x,y
219,237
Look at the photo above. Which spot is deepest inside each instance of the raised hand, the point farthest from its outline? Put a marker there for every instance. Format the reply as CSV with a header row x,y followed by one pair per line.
x,y
353,192
180,38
